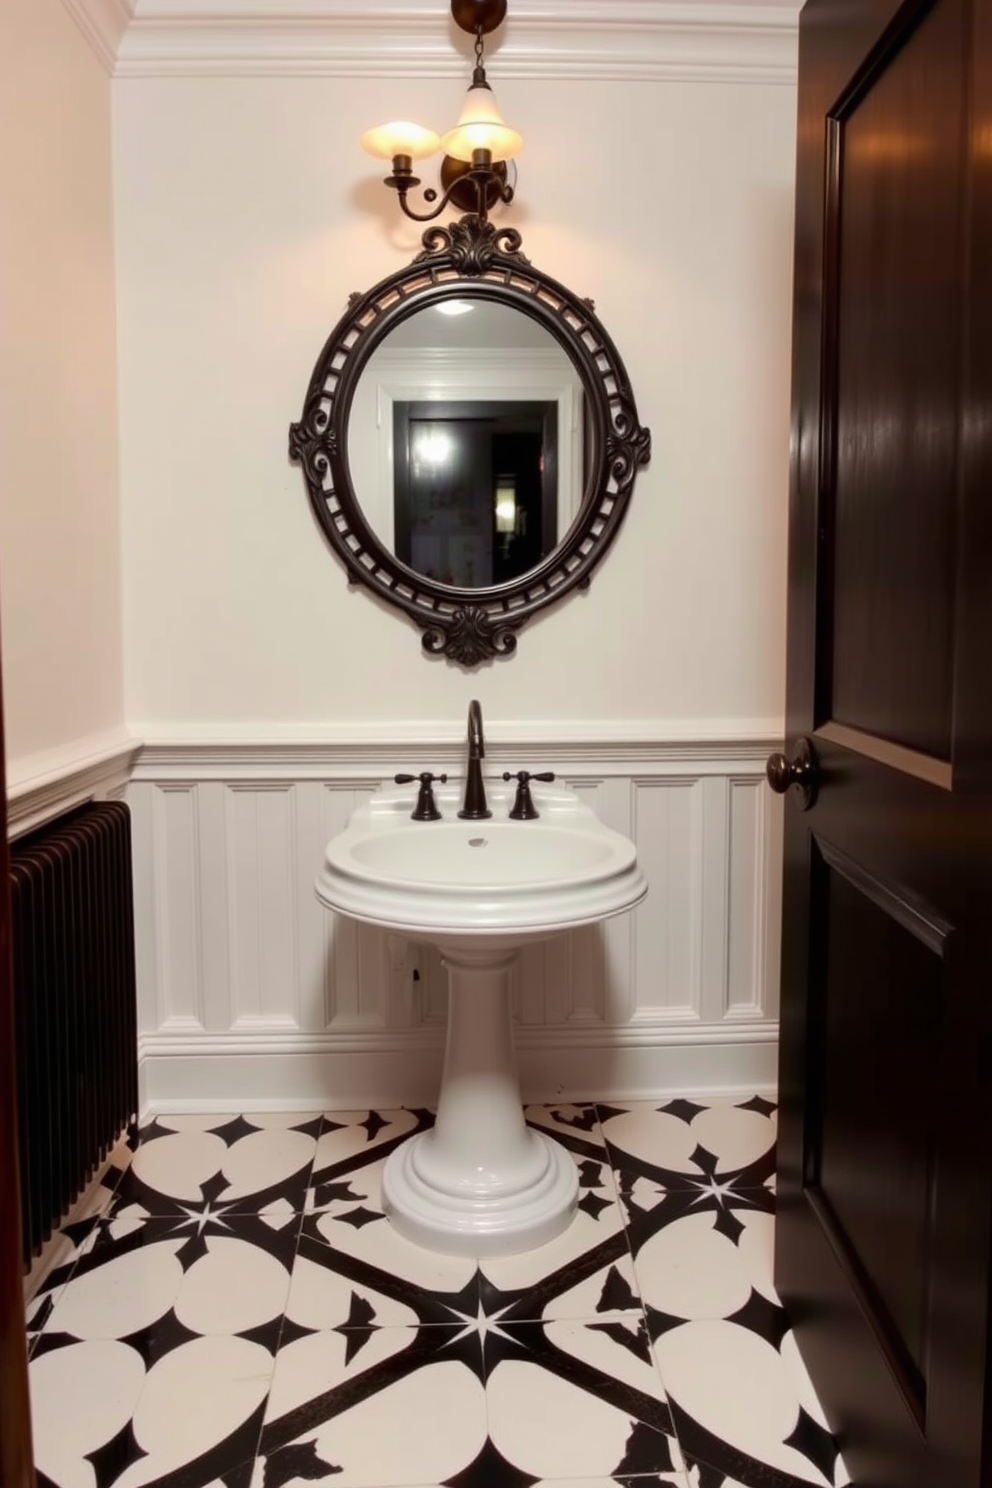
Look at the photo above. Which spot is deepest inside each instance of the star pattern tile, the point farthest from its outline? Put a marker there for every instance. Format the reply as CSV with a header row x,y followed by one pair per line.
x,y
242,1313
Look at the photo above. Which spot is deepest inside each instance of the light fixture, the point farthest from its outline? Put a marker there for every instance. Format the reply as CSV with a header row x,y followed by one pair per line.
x,y
473,172
455,307
433,446
506,506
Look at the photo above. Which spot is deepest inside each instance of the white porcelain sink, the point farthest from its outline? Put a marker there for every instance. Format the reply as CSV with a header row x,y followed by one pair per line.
x,y
481,1182
476,878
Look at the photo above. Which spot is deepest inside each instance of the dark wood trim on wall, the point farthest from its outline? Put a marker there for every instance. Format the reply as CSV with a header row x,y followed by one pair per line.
x,y
16,1456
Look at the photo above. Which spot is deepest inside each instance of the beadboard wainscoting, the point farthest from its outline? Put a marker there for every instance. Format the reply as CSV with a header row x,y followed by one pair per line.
x,y
249,990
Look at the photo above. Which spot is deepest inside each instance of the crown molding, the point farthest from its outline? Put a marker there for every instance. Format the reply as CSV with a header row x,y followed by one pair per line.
x,y
695,40
103,23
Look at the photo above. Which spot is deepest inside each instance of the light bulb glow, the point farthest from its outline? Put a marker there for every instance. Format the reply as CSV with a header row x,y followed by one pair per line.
x,y
480,127
432,447
506,506
400,137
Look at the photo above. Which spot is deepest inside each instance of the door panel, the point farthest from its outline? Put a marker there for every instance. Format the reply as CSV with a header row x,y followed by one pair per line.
x,y
894,222
885,1169
879,1008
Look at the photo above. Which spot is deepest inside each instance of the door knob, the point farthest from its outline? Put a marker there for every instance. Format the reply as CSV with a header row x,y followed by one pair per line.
x,y
800,769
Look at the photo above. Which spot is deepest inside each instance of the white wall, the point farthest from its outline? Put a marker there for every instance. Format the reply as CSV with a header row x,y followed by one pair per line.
x,y
59,519
246,213
274,696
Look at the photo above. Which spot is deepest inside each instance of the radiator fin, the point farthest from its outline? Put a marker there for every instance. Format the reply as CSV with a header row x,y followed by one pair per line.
x,y
72,936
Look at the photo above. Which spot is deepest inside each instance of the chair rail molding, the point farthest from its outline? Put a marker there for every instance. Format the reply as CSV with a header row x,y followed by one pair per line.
x,y
250,990
702,40
309,749
42,786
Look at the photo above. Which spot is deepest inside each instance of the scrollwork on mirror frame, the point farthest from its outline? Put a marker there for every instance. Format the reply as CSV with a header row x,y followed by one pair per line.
x,y
469,626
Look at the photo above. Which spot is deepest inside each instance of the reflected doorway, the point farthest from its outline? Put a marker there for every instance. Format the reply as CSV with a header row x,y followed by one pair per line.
x,y
476,489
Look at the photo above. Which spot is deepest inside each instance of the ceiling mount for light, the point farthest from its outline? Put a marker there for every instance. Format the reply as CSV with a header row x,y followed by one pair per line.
x,y
473,172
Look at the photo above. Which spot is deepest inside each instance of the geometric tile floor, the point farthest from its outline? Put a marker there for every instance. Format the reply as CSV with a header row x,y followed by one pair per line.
x,y
237,1311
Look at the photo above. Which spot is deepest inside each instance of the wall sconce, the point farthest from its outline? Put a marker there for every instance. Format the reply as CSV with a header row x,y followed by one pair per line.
x,y
473,172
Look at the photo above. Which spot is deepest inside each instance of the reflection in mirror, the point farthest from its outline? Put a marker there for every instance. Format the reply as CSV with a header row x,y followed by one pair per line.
x,y
465,442
475,489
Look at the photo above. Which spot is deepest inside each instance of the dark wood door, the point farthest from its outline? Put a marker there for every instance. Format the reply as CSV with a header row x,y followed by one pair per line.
x,y
16,1468
883,1236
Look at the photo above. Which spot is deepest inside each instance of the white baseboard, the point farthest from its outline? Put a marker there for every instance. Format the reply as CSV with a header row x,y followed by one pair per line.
x,y
212,1075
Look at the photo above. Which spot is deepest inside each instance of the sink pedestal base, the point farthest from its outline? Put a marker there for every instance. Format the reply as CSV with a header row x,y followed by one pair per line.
x,y
481,1182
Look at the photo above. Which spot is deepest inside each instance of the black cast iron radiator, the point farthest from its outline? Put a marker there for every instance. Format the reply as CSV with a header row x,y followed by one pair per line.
x,y
72,934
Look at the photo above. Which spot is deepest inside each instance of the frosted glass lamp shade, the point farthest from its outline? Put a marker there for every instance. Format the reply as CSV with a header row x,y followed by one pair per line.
x,y
400,138
480,127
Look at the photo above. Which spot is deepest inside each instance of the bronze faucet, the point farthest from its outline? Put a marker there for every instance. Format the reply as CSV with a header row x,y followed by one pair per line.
x,y
474,807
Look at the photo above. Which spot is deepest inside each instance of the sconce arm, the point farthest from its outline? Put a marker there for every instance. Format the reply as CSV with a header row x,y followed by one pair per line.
x,y
481,174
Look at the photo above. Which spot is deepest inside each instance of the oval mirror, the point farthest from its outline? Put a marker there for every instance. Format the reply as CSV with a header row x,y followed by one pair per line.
x,y
464,442
469,440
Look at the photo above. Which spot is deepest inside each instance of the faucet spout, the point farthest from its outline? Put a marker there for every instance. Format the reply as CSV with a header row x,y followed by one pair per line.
x,y
474,807
476,741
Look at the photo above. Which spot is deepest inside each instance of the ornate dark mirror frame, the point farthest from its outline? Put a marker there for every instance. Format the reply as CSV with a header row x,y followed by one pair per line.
x,y
470,625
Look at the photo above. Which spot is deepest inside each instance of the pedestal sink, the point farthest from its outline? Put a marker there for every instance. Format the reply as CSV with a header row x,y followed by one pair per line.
x,y
481,1182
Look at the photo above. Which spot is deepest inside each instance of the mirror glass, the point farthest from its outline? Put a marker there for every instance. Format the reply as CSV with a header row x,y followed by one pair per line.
x,y
465,442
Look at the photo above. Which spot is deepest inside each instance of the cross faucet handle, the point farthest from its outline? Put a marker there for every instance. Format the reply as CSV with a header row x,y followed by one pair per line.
x,y
523,808
426,807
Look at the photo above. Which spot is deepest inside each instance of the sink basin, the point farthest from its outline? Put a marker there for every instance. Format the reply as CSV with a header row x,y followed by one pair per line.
x,y
480,878
505,855
481,1182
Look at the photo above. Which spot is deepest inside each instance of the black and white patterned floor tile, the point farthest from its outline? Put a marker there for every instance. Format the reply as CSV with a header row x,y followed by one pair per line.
x,y
72,1239
690,1146
244,1315
220,1165
697,1187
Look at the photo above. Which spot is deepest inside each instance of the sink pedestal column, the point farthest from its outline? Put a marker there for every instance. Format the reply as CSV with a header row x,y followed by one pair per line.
x,y
481,1182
